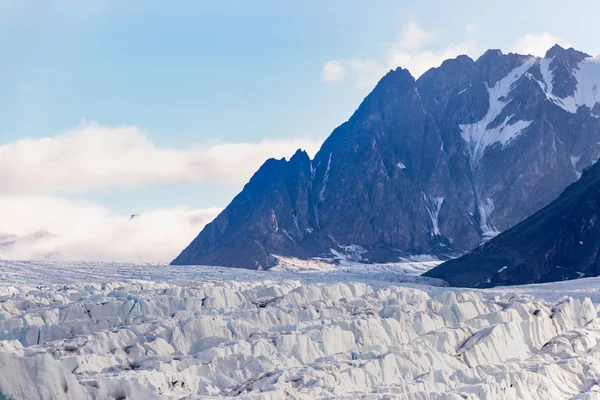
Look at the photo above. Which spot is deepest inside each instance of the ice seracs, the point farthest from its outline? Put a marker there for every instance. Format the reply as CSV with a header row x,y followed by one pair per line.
x,y
288,338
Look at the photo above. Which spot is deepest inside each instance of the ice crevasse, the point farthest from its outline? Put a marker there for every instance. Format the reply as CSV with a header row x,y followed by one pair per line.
x,y
285,339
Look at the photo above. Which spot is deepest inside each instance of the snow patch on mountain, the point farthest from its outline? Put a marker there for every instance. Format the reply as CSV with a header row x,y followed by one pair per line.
x,y
489,131
587,74
547,76
479,135
574,161
433,205
588,84
325,179
486,207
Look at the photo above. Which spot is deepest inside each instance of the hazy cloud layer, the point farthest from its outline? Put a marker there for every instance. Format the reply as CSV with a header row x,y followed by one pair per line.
x,y
95,157
537,44
34,173
409,50
58,228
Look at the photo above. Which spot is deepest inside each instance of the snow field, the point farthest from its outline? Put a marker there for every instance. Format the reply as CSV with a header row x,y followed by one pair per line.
x,y
260,338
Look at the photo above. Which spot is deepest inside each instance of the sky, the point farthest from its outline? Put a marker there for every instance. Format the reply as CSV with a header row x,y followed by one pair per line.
x,y
165,109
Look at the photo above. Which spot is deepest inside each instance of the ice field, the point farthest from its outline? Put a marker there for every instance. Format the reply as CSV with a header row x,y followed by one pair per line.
x,y
121,331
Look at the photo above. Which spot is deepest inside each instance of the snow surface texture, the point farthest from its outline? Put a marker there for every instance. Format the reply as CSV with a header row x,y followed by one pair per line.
x,y
215,333
587,74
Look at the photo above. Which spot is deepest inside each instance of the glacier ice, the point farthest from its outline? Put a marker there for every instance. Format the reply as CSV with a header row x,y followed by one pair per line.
x,y
253,335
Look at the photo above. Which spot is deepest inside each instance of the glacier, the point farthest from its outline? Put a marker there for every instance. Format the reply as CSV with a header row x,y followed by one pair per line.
x,y
123,331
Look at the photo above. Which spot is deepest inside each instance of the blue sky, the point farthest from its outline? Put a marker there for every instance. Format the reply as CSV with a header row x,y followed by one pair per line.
x,y
198,74
243,70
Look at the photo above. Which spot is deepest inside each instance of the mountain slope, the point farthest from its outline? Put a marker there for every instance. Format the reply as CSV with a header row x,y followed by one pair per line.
x,y
435,165
561,241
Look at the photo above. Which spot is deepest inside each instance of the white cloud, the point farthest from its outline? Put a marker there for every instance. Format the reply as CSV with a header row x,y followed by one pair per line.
x,y
366,73
537,43
419,62
415,50
414,37
407,52
92,156
88,231
95,156
333,71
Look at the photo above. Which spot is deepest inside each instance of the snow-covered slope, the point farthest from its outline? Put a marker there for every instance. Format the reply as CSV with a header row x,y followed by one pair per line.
x,y
585,90
204,332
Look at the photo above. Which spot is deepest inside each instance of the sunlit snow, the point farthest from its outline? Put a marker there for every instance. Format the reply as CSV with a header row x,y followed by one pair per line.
x,y
479,136
587,74
574,161
433,205
122,331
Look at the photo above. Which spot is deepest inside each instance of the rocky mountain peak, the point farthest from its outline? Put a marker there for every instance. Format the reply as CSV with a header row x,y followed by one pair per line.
x,y
563,63
569,55
554,50
436,165
393,84
495,65
491,54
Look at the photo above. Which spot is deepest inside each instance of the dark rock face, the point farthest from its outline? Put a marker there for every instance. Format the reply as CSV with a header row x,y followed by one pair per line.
x,y
561,241
261,210
429,166
563,63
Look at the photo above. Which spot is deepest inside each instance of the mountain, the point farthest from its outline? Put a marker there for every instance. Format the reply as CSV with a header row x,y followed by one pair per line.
x,y
559,242
436,165
39,244
8,240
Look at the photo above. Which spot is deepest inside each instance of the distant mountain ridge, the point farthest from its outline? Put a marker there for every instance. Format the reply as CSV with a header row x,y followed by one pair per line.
x,y
436,165
38,243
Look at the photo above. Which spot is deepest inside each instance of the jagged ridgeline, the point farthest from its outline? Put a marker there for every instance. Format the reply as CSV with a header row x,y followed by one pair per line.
x,y
436,165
